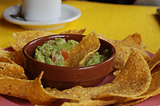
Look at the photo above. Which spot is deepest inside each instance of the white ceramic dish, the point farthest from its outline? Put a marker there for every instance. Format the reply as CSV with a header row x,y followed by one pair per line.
x,y
68,14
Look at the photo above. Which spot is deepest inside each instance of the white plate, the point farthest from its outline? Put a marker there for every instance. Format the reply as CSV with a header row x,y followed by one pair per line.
x,y
68,14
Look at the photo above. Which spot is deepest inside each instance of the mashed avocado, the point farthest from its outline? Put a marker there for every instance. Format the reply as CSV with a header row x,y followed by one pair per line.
x,y
96,58
54,52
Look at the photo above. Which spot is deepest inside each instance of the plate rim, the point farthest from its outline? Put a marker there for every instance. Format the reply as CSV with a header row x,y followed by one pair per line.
x,y
11,20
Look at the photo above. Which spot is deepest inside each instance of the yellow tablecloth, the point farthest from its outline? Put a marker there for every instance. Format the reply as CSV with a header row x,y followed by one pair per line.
x,y
112,20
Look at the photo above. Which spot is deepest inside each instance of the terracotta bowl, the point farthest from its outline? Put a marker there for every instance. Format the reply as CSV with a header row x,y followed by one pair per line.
x,y
66,77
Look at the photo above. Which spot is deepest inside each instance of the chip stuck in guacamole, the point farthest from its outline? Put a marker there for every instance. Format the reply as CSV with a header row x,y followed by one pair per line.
x,y
55,52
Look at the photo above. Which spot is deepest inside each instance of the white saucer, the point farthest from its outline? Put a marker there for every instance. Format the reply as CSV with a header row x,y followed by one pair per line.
x,y
68,14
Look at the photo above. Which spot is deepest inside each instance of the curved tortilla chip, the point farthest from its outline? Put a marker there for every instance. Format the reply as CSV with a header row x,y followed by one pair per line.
x,y
133,80
37,95
87,46
153,90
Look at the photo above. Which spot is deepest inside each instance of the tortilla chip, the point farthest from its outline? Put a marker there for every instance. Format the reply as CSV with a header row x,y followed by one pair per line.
x,y
17,57
37,95
134,41
113,42
89,103
6,59
130,103
155,60
4,53
145,55
124,48
14,87
153,90
115,73
22,38
87,46
26,89
15,47
74,31
122,54
52,91
133,80
12,70
76,93
116,99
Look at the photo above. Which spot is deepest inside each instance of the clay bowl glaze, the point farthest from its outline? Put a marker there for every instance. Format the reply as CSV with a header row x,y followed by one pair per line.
x,y
67,77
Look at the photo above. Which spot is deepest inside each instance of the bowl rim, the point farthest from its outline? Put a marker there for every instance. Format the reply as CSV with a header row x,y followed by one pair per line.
x,y
24,51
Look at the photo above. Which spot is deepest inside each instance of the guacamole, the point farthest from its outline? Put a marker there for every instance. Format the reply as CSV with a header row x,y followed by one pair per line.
x,y
54,52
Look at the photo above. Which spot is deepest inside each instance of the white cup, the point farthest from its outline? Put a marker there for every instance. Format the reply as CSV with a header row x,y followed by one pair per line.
x,y
41,10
